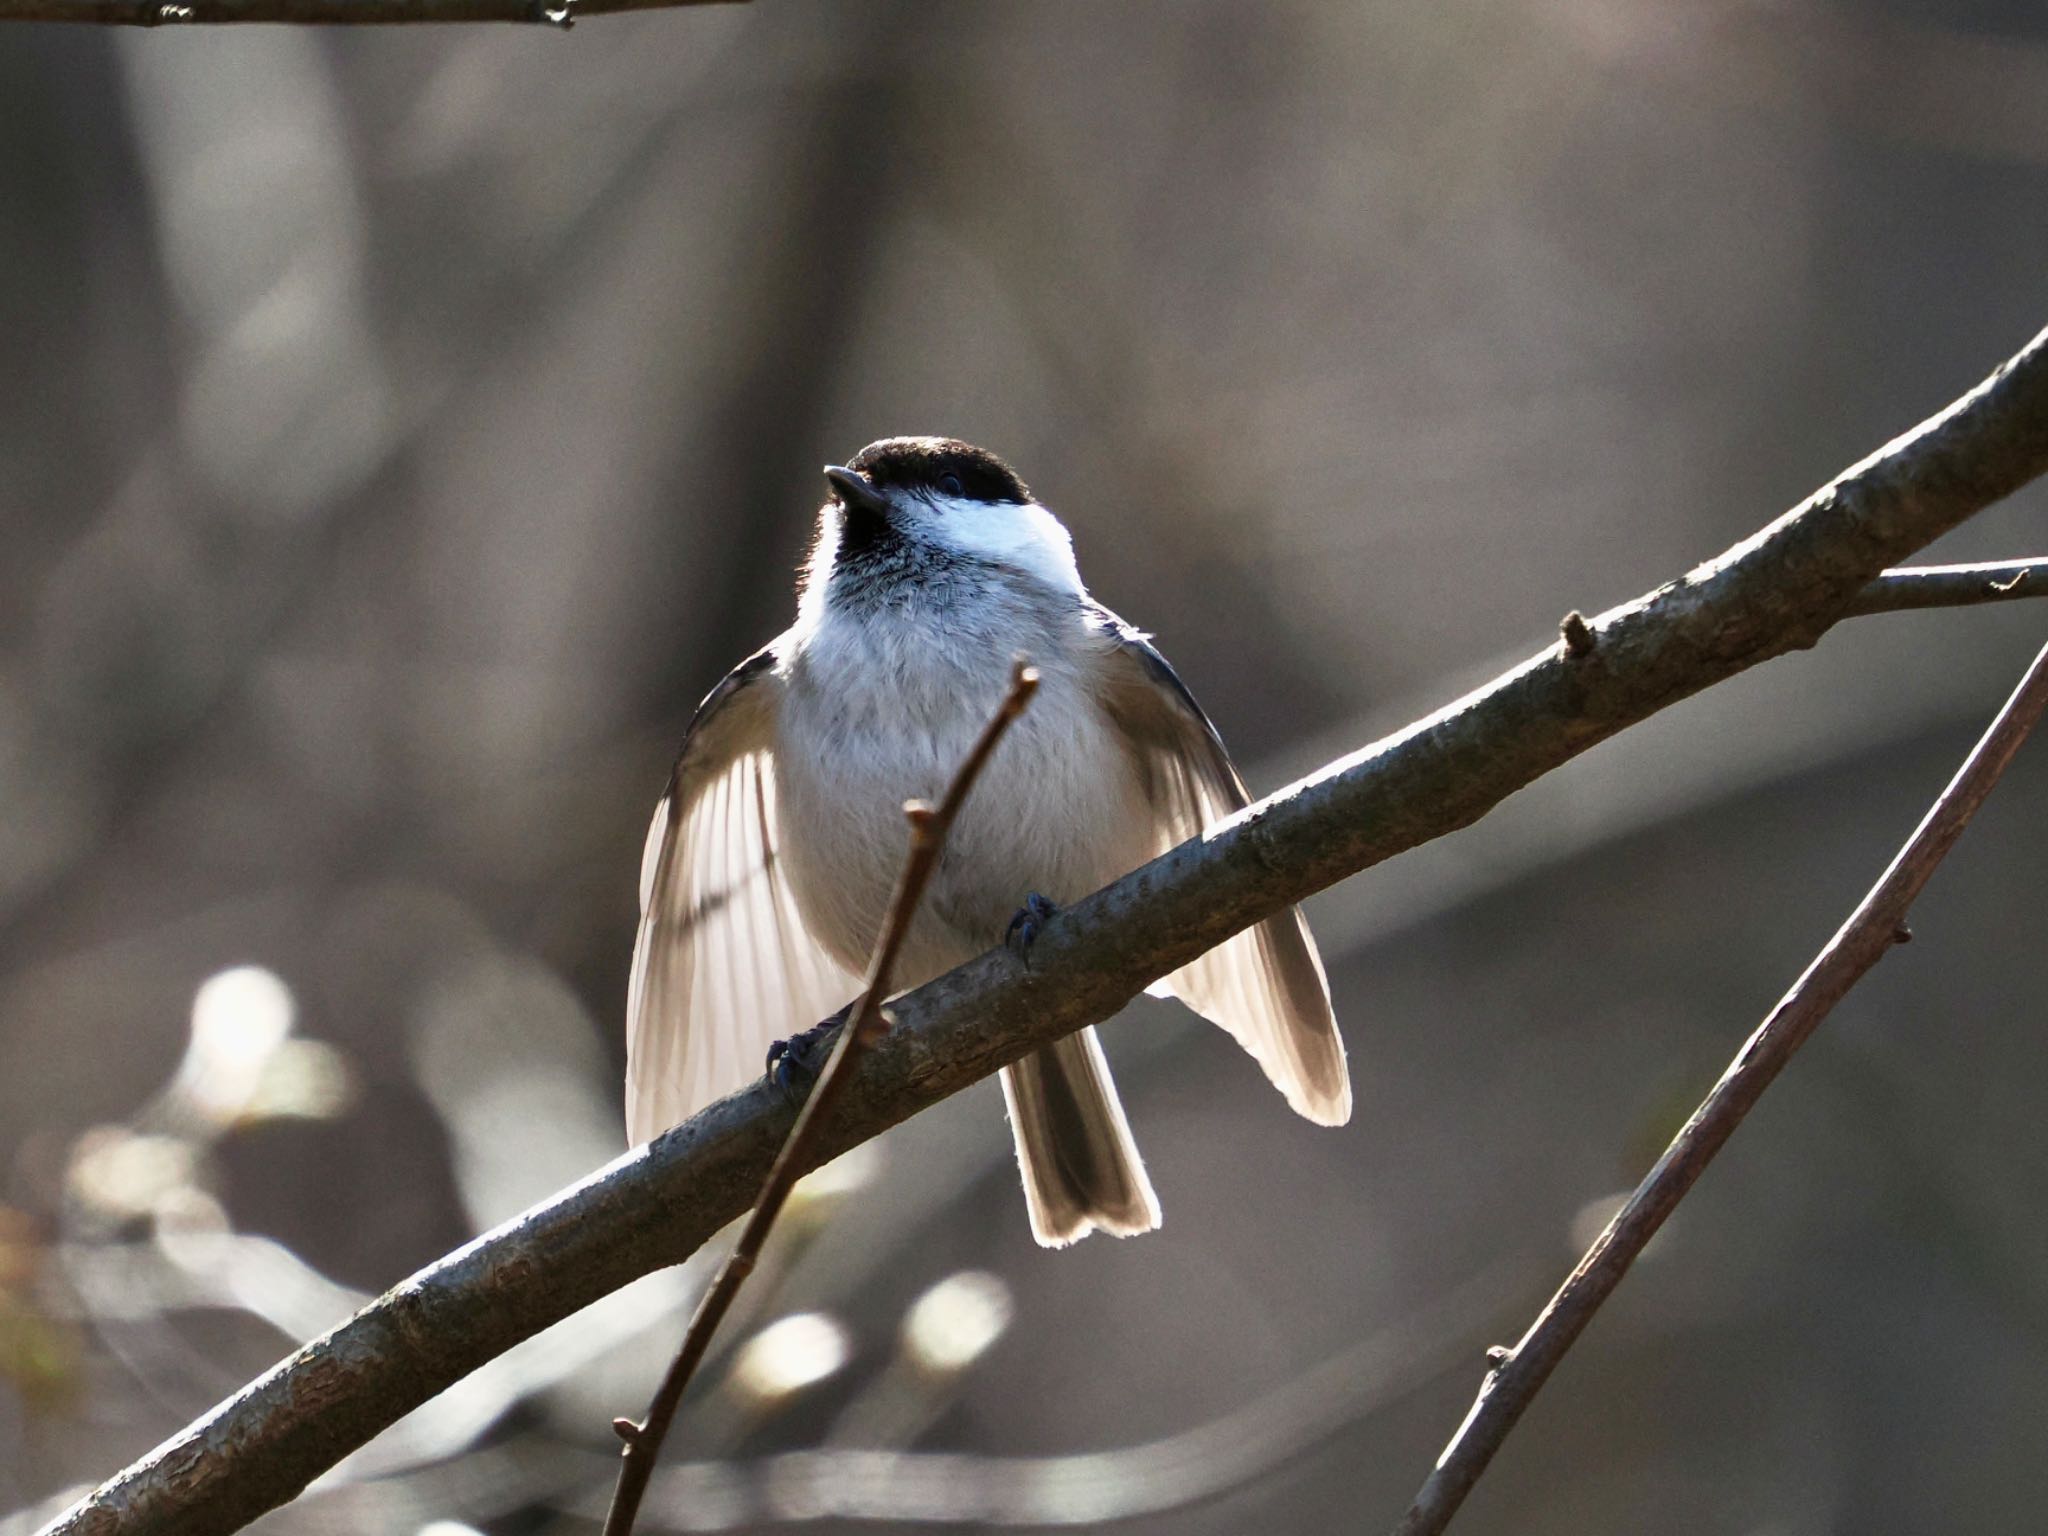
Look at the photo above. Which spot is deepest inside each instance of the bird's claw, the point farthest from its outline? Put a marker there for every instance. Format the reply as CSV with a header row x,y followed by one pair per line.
x,y
1024,927
794,1064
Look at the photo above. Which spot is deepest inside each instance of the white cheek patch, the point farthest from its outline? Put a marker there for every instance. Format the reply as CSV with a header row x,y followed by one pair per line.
x,y
1023,536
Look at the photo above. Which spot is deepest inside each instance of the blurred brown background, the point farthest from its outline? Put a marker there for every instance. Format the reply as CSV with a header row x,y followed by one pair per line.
x,y
403,429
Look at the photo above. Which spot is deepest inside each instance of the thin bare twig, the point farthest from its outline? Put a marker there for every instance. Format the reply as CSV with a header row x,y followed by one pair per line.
x,y
1874,927
929,826
1953,586
1779,590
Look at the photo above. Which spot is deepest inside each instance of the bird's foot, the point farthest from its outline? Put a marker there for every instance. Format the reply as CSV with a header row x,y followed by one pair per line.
x,y
794,1064
1023,929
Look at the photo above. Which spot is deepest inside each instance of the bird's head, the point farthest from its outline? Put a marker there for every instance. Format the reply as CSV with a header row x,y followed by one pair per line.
x,y
927,509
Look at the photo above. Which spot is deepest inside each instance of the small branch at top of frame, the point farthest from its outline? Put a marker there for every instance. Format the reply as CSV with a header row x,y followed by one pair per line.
x,y
362,13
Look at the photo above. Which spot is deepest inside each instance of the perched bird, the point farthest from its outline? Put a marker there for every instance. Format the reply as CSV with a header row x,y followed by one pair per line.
x,y
771,859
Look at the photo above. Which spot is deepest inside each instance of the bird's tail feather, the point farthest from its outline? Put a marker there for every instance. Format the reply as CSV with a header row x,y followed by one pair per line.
x,y
1081,1168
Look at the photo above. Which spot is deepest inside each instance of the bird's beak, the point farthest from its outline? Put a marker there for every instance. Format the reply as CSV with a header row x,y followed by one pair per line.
x,y
853,492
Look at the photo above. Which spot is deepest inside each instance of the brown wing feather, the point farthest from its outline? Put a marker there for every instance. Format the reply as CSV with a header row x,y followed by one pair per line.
x,y
1265,985
723,965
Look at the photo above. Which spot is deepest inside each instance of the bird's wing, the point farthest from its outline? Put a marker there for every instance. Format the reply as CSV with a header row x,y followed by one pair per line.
x,y
723,965
1266,984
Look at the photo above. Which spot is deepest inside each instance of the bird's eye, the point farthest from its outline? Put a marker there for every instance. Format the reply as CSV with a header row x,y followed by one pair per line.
x,y
950,484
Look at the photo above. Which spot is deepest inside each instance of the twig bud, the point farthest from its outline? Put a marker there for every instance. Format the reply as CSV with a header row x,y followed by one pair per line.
x,y
1578,635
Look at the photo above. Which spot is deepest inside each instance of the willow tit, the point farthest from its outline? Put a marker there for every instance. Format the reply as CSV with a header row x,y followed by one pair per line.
x,y
772,857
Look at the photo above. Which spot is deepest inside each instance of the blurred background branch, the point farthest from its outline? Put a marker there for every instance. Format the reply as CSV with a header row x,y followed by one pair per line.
x,y
1780,589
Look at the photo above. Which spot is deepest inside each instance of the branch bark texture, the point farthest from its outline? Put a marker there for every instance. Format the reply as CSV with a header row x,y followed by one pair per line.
x,y
1777,591
1873,928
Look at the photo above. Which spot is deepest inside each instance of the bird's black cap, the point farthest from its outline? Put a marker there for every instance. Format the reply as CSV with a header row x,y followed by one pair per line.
x,y
923,463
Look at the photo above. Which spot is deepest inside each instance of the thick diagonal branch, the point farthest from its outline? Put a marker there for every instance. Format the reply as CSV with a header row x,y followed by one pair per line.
x,y
1779,590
